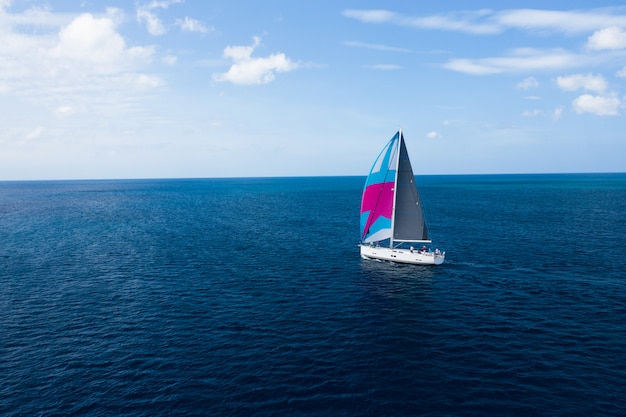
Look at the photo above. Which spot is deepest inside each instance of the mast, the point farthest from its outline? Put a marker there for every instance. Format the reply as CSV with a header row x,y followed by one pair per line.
x,y
395,189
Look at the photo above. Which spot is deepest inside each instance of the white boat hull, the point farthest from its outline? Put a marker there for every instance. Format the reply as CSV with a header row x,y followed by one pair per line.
x,y
405,256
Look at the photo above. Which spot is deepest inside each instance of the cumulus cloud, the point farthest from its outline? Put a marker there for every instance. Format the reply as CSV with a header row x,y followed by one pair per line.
x,y
575,82
528,83
248,70
600,105
83,45
433,135
613,37
71,63
94,40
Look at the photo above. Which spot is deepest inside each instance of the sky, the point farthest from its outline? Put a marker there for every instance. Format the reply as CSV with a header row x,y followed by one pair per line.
x,y
230,88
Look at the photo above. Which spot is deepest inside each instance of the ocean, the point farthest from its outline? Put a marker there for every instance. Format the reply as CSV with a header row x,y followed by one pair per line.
x,y
247,297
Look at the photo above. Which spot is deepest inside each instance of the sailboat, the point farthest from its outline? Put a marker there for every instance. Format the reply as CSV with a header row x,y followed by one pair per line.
x,y
392,221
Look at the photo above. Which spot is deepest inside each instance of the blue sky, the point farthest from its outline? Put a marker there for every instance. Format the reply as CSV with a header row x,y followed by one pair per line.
x,y
183,88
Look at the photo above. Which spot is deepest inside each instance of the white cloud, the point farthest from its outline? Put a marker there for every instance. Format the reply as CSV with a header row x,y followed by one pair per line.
x,y
575,82
88,39
473,67
140,81
370,16
192,25
602,104
153,23
385,67
609,24
169,59
65,110
518,60
456,21
376,46
532,113
621,73
613,37
247,70
36,16
433,135
35,133
468,21
561,21
84,46
146,13
528,83
65,64
599,105
557,113
490,22
554,114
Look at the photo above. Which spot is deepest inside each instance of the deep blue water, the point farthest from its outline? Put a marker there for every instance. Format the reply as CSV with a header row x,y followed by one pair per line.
x,y
225,297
